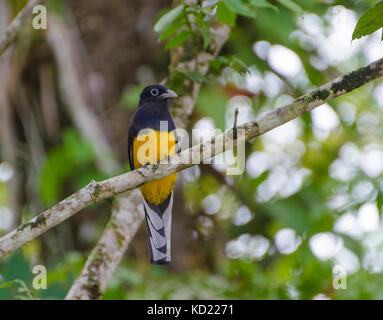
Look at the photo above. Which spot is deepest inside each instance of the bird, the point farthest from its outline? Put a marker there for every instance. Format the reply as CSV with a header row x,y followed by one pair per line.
x,y
151,138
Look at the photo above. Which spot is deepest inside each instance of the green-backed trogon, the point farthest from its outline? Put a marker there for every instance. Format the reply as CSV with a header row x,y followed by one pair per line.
x,y
151,139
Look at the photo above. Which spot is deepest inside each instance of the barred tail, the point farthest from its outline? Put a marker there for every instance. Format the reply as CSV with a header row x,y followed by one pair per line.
x,y
159,225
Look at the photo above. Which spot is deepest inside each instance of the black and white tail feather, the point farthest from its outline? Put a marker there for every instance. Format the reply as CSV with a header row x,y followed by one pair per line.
x,y
159,226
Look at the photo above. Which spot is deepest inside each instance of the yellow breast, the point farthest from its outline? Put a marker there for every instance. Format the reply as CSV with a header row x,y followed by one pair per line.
x,y
151,147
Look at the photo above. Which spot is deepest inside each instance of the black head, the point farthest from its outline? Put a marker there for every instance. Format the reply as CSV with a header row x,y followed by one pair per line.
x,y
156,93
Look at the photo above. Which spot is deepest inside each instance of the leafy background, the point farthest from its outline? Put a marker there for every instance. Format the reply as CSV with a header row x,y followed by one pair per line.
x,y
310,199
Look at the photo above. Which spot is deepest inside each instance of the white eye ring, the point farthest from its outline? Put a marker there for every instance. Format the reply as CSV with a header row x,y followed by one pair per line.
x,y
154,92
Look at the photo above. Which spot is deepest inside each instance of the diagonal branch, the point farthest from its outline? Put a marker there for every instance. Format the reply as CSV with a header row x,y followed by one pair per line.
x,y
10,34
106,255
96,191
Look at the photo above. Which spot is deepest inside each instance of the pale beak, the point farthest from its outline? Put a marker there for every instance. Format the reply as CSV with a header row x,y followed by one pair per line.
x,y
169,94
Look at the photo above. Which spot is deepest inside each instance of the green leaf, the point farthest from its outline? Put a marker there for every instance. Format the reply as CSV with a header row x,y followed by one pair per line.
x,y
194,76
241,7
379,200
215,65
248,8
7,284
206,35
225,15
369,22
238,65
263,4
178,39
172,29
290,4
176,81
168,18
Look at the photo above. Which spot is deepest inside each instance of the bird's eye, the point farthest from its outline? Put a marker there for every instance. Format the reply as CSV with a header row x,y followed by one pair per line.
x,y
154,92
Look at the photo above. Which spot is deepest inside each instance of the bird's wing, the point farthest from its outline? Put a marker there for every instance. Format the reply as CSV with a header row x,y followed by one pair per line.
x,y
132,134
130,151
130,148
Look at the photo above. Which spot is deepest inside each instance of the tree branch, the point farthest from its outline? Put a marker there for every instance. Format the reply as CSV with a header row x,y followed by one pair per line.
x,y
102,262
96,191
106,256
10,34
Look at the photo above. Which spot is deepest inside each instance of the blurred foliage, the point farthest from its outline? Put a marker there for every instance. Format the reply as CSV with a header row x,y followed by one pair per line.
x,y
63,162
253,236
